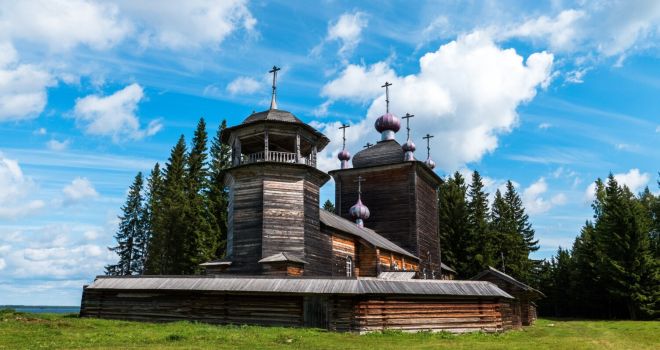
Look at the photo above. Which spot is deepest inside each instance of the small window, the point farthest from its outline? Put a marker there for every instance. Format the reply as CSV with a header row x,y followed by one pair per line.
x,y
349,266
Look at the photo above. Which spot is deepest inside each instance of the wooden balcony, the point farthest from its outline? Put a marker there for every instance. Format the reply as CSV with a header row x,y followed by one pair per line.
x,y
278,157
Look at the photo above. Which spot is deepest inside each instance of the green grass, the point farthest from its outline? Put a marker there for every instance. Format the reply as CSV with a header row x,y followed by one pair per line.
x,y
51,331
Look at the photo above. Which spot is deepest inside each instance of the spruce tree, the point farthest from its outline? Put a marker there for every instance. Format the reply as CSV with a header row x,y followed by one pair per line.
x,y
481,243
155,246
130,234
453,225
504,229
328,206
217,193
201,234
523,242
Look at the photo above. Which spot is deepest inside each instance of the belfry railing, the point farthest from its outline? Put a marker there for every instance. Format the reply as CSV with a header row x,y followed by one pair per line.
x,y
278,157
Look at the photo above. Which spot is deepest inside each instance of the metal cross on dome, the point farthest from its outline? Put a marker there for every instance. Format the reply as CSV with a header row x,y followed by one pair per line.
x,y
407,118
367,145
387,96
359,181
343,129
428,144
273,100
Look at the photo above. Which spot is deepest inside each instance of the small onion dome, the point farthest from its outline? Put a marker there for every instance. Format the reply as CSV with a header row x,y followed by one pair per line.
x,y
359,211
409,146
387,125
430,163
344,155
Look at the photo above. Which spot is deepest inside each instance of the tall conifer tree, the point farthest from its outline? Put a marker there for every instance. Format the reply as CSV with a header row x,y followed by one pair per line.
x,y
481,244
131,232
453,224
217,194
155,246
523,242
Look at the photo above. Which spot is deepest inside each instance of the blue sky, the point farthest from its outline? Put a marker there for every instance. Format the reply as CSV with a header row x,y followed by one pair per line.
x,y
551,96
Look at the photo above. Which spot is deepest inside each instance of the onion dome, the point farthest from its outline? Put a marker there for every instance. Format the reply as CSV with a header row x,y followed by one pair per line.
x,y
344,155
359,212
430,163
387,125
409,146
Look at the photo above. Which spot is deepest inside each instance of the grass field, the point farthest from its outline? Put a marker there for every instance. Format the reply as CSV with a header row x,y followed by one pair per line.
x,y
52,331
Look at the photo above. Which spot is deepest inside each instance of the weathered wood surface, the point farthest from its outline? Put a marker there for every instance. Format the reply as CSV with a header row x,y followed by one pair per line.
x,y
343,247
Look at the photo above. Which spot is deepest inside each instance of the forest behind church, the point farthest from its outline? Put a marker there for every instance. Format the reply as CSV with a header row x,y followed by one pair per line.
x,y
176,218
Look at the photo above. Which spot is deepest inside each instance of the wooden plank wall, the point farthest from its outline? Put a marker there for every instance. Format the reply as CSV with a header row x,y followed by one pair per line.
x,y
318,245
342,247
245,219
283,216
426,203
418,314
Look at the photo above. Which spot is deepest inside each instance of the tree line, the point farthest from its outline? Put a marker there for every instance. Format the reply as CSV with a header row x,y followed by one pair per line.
x,y
179,219
613,267
475,235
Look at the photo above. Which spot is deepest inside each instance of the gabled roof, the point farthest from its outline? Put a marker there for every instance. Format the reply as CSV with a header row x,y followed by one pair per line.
x,y
447,268
282,257
337,222
499,274
264,284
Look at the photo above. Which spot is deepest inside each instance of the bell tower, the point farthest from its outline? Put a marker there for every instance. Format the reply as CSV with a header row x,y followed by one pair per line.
x,y
273,215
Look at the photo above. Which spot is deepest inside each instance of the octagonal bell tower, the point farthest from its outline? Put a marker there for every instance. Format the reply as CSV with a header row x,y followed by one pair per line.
x,y
273,214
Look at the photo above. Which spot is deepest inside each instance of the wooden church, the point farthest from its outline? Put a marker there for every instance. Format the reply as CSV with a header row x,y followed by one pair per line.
x,y
374,264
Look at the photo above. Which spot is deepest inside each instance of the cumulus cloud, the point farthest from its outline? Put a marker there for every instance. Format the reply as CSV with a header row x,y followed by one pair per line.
x,y
56,145
243,86
189,24
466,93
64,24
610,28
114,115
22,86
534,201
633,179
80,188
347,30
16,187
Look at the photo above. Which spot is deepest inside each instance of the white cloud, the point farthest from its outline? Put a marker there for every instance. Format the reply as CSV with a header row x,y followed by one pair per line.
x,y
348,30
16,187
80,188
560,32
535,203
544,126
22,86
190,24
3,264
243,86
64,24
466,94
40,131
633,179
55,145
114,115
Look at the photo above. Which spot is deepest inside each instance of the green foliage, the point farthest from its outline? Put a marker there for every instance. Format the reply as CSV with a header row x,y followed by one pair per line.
x,y
482,243
453,224
613,270
216,192
37,331
132,235
328,206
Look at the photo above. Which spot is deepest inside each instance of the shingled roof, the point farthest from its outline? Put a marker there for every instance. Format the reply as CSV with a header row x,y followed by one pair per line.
x,y
263,284
501,275
383,152
338,223
273,114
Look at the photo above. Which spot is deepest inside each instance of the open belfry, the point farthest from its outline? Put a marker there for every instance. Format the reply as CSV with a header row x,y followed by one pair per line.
x,y
374,264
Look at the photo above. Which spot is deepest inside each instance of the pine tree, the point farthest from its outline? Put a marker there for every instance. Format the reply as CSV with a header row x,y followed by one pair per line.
x,y
328,206
201,234
453,225
155,241
217,194
523,243
504,229
481,244
130,234
169,221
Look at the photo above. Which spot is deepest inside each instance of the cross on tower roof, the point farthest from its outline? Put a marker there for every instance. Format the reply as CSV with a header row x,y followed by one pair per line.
x,y
367,145
273,100
343,129
359,181
387,96
407,118
428,144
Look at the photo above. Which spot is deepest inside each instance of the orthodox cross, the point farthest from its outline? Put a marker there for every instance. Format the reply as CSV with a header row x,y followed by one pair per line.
x,y
273,101
407,118
343,130
367,145
387,96
359,181
428,145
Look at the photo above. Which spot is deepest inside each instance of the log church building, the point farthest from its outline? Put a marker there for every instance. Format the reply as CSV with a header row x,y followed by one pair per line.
x,y
373,264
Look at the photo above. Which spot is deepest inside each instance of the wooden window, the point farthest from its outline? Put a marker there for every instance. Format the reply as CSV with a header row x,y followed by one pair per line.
x,y
349,266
